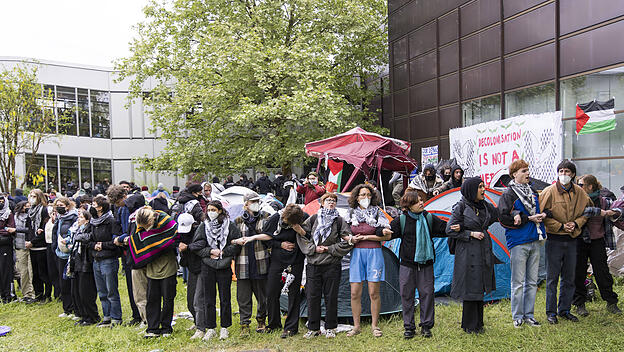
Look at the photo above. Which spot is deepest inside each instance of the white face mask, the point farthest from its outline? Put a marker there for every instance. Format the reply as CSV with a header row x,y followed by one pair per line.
x,y
565,179
364,203
32,200
213,215
254,207
314,182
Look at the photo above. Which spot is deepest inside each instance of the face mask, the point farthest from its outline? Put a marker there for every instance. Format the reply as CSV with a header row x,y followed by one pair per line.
x,y
565,179
314,182
93,212
213,215
254,207
446,177
61,210
364,203
32,200
429,178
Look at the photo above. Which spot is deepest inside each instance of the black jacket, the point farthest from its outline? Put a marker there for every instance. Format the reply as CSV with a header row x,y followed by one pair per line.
x,y
408,239
278,184
6,238
81,256
38,239
105,233
285,235
263,185
200,247
473,272
189,258
160,204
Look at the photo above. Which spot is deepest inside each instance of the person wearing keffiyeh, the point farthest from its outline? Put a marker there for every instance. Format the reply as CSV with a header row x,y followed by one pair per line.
x,y
214,243
521,217
324,245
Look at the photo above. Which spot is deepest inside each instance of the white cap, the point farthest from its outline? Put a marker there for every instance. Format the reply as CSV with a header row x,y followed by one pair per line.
x,y
185,222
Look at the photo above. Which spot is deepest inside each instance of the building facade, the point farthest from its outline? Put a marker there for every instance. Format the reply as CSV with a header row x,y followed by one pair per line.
x,y
455,63
105,133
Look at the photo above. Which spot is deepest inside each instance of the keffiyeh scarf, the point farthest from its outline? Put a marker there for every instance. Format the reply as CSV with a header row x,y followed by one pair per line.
x,y
371,215
525,194
325,219
217,233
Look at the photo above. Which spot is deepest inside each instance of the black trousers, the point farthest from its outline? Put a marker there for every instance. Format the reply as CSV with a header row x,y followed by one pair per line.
x,y
191,288
210,279
128,273
64,285
6,272
78,311
41,281
159,316
472,316
597,255
86,296
274,288
322,280
420,278
53,272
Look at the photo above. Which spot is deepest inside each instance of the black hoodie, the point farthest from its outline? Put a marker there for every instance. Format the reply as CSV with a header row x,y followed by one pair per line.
x,y
188,258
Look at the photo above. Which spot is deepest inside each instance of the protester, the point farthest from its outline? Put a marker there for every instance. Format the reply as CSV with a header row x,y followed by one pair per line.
x,y
278,184
153,247
595,236
426,182
243,181
446,173
416,227
7,234
106,262
51,259
473,271
263,185
520,214
564,202
66,216
175,192
36,243
160,189
367,221
217,187
84,290
160,202
252,264
206,195
311,189
456,180
324,246
213,242
23,263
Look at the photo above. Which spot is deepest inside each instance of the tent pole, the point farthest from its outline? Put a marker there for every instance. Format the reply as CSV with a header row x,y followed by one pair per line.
x,y
351,179
383,200
318,166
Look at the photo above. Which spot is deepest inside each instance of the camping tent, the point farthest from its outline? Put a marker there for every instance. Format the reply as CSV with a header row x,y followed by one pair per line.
x,y
365,151
441,206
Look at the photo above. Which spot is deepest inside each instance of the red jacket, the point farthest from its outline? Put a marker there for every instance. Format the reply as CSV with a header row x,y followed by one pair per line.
x,y
309,193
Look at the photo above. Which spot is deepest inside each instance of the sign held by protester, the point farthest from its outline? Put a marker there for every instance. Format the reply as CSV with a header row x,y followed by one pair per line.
x,y
429,155
487,148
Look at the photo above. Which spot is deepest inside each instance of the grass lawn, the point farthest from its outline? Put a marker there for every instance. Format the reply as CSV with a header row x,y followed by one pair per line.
x,y
37,328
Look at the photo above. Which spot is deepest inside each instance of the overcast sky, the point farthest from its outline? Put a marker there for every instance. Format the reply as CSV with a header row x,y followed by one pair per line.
x,y
92,32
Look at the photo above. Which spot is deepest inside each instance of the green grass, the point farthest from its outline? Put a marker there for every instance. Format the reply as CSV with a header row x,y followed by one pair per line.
x,y
37,328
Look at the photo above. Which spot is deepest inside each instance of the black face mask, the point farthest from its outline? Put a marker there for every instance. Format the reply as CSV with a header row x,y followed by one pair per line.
x,y
446,177
61,210
430,178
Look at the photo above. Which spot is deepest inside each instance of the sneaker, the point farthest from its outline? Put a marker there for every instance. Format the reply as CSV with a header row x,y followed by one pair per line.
x,y
552,319
244,331
133,322
409,334
261,327
64,315
311,333
210,333
532,322
581,310
330,333
28,300
142,326
224,334
150,335
116,322
287,333
569,316
198,335
104,324
517,323
193,327
425,332
166,334
613,308
86,323
76,318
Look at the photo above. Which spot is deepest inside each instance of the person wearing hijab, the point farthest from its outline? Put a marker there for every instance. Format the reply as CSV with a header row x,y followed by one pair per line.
x,y
7,234
416,228
66,216
213,242
367,222
324,246
521,217
473,271
36,243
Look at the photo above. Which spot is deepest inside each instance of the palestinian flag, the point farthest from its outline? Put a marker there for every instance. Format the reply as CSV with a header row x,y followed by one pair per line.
x,y
335,175
595,116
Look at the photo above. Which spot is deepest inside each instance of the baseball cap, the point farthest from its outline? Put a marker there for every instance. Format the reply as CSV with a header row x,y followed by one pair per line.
x,y
251,196
185,222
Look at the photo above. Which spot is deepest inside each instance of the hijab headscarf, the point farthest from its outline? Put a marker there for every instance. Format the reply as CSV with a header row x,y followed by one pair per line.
x,y
469,190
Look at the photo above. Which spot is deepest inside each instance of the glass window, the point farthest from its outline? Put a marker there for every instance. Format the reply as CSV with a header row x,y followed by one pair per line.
x,y
102,173
84,128
481,110
533,100
85,171
610,173
52,170
66,108
35,171
100,110
600,86
69,173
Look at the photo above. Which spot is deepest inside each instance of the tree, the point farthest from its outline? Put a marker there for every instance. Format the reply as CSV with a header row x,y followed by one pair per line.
x,y
244,83
24,123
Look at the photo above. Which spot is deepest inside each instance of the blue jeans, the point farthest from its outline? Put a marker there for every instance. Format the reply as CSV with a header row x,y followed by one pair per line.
x,y
524,268
105,272
560,262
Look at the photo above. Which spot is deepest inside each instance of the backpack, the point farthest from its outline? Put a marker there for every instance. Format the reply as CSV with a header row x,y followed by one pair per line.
x,y
178,208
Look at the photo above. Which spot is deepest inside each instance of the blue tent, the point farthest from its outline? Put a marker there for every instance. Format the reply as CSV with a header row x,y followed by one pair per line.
x,y
442,206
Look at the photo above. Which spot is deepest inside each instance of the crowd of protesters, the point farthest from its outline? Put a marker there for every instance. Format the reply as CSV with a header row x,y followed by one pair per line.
x,y
68,247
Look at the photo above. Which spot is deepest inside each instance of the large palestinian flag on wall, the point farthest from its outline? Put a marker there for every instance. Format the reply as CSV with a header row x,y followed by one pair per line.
x,y
595,116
